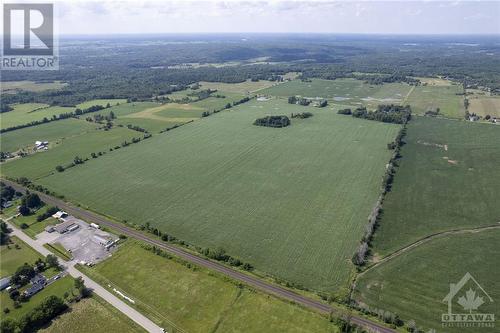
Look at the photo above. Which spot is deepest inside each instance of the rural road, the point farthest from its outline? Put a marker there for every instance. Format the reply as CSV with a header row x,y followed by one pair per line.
x,y
236,275
133,314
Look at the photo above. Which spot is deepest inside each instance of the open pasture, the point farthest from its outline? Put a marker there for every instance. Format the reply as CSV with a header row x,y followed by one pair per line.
x,y
446,98
44,162
12,87
28,112
292,201
344,91
484,105
92,315
102,102
52,132
196,300
415,283
448,179
245,88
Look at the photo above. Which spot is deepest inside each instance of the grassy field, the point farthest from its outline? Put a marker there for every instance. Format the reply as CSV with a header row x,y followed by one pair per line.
x,y
52,132
58,250
246,87
448,179
102,102
43,163
13,257
415,283
57,288
345,91
484,105
196,300
92,315
292,201
443,97
12,87
28,112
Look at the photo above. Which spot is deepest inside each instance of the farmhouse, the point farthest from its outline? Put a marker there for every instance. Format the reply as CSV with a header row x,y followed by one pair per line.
x,y
37,284
39,145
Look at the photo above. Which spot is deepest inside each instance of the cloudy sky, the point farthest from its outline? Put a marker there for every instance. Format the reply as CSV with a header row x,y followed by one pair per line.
x,y
394,17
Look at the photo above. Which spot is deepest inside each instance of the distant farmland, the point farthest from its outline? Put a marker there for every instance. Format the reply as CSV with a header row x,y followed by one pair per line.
x,y
344,91
291,201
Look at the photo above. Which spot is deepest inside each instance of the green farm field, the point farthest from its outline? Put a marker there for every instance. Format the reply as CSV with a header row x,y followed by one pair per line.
x,y
448,179
293,202
102,102
196,300
44,163
246,87
12,87
415,283
485,105
424,98
52,132
346,91
28,112
92,315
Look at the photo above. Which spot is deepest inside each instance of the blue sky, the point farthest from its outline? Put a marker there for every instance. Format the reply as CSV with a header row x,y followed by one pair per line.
x,y
380,17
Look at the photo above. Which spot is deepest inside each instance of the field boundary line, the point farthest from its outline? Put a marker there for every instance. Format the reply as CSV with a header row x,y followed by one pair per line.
x,y
427,239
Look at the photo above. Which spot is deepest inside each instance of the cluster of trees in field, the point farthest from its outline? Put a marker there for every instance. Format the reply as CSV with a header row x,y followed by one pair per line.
x,y
391,78
273,121
30,202
302,115
385,113
61,116
7,193
299,101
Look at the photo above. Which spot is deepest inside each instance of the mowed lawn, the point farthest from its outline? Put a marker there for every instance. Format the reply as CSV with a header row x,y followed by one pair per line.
x,y
13,257
28,112
449,178
54,131
292,201
415,283
346,91
446,98
63,153
92,315
196,300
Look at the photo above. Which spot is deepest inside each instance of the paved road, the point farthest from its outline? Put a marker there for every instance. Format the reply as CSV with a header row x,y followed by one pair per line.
x,y
133,314
248,279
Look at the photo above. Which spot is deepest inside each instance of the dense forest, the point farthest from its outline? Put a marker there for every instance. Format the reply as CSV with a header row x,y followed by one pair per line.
x,y
146,66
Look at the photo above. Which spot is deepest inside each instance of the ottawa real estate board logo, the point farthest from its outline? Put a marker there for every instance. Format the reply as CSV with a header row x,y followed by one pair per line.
x,y
29,39
464,301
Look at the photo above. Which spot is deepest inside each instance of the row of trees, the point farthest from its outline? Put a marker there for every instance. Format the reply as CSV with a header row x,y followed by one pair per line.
x,y
61,116
360,256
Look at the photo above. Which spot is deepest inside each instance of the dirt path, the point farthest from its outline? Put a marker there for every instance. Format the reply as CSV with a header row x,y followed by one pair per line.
x,y
403,102
426,240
